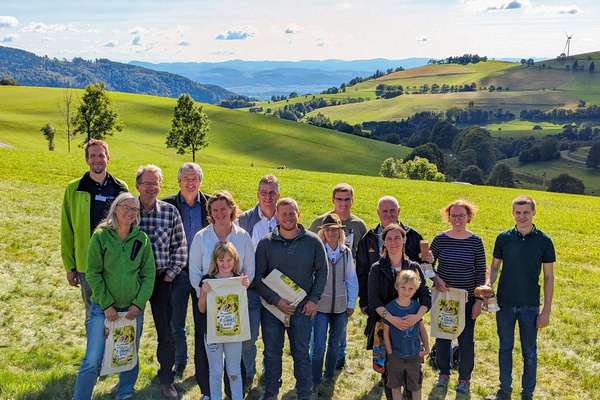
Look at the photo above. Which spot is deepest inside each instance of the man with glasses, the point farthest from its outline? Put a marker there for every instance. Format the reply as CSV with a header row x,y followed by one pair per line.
x,y
191,204
86,203
162,223
258,222
355,229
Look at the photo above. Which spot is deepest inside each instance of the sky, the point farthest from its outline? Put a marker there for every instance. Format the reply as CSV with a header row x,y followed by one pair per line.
x,y
293,30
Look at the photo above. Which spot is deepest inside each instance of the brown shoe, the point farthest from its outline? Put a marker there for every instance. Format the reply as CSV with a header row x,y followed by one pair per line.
x,y
168,390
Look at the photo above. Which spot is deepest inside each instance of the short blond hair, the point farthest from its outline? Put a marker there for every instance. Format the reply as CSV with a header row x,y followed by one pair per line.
x,y
408,276
287,201
343,187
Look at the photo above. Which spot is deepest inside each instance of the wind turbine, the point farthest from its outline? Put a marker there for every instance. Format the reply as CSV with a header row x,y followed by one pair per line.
x,y
568,44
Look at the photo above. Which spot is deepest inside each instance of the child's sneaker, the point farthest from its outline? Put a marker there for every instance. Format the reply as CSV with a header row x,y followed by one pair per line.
x,y
463,386
442,380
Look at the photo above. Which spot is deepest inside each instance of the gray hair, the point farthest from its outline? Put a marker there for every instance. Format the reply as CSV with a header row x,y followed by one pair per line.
x,y
147,168
111,220
190,166
269,179
388,198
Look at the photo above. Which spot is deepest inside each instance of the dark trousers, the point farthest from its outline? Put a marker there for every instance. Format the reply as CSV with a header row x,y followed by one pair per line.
x,y
200,357
162,311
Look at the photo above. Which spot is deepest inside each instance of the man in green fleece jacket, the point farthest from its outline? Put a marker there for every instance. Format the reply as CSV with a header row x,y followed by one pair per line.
x,y
85,204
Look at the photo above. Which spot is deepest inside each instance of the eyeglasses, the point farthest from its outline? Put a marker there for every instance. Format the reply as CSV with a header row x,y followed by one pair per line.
x,y
458,216
128,209
347,199
151,184
264,193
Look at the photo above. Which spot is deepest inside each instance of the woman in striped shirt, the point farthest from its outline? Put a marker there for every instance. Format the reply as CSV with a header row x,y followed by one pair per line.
x,y
461,264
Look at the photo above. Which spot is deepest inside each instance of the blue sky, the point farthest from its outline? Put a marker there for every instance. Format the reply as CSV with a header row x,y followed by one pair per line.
x,y
219,30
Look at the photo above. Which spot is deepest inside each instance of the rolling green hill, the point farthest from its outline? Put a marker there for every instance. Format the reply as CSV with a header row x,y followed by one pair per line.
x,y
42,337
546,85
235,138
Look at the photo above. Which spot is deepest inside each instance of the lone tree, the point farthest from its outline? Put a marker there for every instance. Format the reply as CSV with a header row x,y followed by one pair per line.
x,y
565,183
593,158
96,116
502,176
472,174
48,130
67,109
189,127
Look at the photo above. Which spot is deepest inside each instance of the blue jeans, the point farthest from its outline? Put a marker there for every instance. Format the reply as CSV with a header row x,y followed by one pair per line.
x,y
336,324
342,351
273,332
233,357
88,371
466,348
181,291
249,346
506,319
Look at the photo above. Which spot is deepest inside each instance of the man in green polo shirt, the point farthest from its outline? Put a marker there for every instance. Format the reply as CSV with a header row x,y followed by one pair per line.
x,y
524,252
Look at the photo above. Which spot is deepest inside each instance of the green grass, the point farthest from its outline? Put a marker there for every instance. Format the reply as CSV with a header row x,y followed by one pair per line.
x,y
235,138
42,338
590,177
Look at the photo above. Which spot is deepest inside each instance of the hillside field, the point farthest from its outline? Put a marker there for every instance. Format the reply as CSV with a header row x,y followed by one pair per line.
x,y
42,337
546,85
235,138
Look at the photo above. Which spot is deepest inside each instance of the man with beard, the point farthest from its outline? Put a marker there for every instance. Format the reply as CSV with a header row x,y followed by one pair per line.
x,y
86,203
300,255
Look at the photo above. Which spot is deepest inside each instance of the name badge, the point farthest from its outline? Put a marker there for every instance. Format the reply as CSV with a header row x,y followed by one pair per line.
x,y
99,197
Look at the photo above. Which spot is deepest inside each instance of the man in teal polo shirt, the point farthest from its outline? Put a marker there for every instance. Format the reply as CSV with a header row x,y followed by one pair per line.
x,y
524,251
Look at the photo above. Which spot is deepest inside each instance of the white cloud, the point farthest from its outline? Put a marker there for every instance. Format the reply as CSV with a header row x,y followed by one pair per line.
x,y
422,38
6,21
344,6
495,5
555,10
9,38
40,27
293,28
238,33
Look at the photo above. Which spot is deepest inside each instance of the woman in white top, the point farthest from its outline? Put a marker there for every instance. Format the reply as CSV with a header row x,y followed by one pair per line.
x,y
222,212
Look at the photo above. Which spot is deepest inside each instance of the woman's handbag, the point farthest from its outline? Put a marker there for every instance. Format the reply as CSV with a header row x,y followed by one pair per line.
x,y
120,351
379,352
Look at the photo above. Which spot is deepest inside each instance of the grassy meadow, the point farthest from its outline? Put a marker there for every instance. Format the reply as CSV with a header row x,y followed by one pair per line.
x,y
42,337
544,86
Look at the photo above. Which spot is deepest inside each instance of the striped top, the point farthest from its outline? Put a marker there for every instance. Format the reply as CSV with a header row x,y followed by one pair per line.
x,y
460,262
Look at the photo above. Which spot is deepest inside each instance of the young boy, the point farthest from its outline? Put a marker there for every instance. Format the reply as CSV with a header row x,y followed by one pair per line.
x,y
404,346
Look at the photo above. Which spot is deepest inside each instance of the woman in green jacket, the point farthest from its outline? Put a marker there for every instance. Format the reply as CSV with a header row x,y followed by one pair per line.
x,y
120,272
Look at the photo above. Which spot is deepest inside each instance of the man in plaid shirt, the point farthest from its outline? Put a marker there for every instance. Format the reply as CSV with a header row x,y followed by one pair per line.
x,y
163,225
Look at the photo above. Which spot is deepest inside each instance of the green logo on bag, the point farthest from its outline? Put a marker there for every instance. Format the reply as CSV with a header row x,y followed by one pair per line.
x,y
124,346
228,315
285,279
448,316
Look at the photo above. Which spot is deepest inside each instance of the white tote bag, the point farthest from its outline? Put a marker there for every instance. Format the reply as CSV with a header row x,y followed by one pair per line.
x,y
120,351
227,318
448,313
286,289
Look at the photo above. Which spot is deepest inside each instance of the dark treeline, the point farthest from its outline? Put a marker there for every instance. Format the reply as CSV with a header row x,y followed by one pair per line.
x,y
463,60
238,101
30,70
562,114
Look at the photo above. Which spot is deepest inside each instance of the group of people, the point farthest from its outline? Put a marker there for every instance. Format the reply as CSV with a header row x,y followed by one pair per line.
x,y
124,250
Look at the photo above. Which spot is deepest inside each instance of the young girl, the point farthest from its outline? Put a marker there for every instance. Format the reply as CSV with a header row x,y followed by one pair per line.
x,y
225,263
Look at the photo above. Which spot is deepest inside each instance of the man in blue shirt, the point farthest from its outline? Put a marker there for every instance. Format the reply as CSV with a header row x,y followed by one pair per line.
x,y
191,204
524,251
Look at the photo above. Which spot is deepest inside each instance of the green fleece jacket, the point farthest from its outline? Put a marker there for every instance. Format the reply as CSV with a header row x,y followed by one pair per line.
x,y
75,225
120,273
